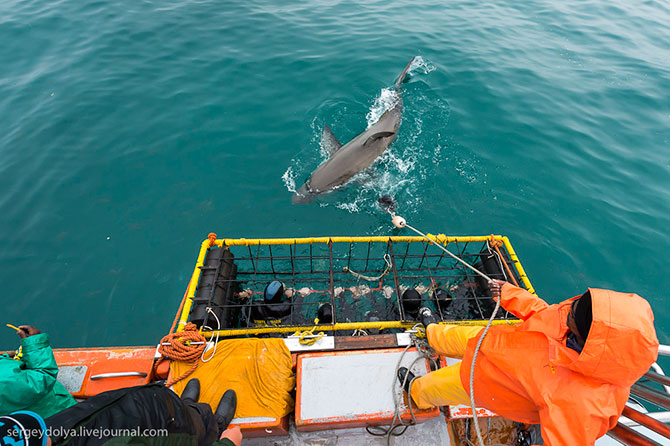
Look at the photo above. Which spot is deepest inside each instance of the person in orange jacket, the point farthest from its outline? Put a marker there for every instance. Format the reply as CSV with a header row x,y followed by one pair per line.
x,y
567,366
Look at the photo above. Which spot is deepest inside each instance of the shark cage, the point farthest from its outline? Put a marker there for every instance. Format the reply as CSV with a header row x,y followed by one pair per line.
x,y
346,285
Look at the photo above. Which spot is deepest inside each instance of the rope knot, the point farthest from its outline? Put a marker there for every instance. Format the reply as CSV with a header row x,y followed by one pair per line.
x,y
495,243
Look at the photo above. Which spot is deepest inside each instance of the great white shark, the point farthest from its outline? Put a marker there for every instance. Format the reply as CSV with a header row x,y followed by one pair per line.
x,y
356,155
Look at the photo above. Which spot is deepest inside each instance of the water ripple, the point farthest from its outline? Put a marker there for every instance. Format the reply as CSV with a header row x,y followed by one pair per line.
x,y
129,130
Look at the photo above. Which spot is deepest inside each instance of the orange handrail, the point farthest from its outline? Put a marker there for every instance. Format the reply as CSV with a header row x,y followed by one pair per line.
x,y
630,437
647,421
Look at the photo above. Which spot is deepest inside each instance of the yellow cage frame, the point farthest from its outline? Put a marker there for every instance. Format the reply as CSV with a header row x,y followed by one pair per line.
x,y
439,238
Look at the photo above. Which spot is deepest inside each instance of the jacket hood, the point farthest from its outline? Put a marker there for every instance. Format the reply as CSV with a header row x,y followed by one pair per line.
x,y
622,343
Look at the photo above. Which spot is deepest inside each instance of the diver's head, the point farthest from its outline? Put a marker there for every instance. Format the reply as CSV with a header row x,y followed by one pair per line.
x,y
411,301
325,314
274,292
387,203
444,297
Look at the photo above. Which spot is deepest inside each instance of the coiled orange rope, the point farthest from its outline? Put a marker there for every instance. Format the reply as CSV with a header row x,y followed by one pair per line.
x,y
180,347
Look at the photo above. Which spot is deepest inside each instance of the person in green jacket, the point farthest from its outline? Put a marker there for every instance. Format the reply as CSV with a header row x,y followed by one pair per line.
x,y
28,380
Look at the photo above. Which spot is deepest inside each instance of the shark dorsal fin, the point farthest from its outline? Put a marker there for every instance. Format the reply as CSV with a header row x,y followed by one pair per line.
x,y
376,136
329,141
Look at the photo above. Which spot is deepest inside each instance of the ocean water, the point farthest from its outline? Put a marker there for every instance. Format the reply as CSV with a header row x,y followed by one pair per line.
x,y
129,130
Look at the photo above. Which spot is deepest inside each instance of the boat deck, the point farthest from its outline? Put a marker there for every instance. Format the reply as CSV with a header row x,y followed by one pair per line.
x,y
432,432
344,364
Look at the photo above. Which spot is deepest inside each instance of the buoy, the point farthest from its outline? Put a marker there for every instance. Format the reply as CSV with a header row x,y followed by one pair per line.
x,y
399,222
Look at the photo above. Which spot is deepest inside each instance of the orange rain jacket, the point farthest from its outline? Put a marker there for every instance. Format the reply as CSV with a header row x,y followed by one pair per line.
x,y
528,374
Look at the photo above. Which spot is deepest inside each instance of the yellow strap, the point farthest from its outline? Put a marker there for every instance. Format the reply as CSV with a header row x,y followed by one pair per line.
x,y
420,331
307,337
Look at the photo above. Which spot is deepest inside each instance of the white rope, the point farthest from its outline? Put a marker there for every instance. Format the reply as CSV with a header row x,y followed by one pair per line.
x,y
400,222
403,224
218,329
424,352
387,259
472,373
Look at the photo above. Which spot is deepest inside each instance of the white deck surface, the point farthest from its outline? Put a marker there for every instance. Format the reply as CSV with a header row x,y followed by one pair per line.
x,y
351,385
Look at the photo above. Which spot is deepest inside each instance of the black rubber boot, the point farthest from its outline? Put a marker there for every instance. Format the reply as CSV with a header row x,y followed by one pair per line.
x,y
225,411
402,371
427,317
191,392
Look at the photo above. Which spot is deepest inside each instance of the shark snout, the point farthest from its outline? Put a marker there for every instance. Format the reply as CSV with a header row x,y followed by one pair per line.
x,y
302,196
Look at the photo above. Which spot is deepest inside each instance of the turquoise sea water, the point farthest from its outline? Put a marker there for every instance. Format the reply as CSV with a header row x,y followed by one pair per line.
x,y
129,130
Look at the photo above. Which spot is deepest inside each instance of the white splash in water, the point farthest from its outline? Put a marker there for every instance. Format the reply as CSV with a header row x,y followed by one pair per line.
x,y
289,178
317,137
323,150
437,153
351,207
467,169
405,164
422,65
387,99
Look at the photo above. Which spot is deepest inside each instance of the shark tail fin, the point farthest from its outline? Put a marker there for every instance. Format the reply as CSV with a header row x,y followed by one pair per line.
x,y
403,75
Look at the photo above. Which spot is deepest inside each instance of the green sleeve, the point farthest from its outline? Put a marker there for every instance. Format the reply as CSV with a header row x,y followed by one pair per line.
x,y
24,382
37,354
223,442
